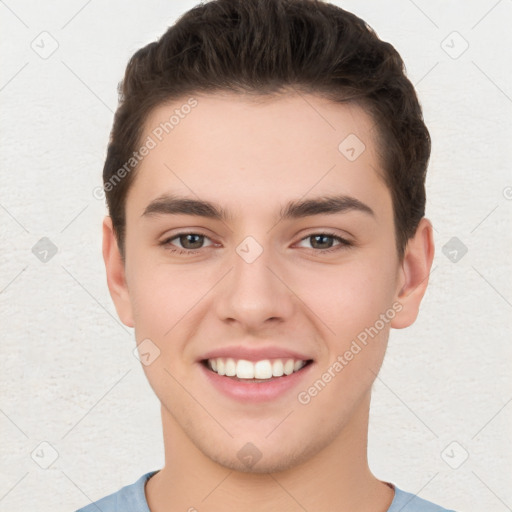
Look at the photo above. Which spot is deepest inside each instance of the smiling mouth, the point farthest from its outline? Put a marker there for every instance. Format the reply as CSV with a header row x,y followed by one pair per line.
x,y
255,371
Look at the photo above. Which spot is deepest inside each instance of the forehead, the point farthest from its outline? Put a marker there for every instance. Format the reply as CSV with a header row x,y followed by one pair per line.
x,y
244,150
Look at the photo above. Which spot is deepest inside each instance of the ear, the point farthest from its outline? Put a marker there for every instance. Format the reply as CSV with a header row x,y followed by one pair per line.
x,y
414,274
116,278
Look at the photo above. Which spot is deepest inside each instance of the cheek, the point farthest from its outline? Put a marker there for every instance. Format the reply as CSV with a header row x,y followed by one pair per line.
x,y
356,305
166,303
348,297
165,297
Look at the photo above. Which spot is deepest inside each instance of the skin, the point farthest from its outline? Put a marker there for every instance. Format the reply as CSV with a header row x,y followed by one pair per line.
x,y
251,157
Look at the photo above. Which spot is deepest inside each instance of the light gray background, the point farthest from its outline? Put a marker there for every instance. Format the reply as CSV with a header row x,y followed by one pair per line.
x,y
69,378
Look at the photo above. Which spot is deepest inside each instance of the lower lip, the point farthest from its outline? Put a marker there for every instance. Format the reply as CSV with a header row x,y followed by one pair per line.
x,y
247,390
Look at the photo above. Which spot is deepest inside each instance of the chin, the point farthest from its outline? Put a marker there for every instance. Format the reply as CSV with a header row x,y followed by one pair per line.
x,y
263,466
272,458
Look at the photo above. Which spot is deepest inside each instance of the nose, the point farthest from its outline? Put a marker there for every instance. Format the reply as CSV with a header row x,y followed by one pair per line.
x,y
254,294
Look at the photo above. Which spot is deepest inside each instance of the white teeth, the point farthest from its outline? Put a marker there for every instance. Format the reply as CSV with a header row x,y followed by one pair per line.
x,y
221,367
288,367
261,370
230,367
277,368
244,369
297,365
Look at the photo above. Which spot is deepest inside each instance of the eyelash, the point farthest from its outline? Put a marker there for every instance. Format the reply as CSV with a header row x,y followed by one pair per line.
x,y
343,243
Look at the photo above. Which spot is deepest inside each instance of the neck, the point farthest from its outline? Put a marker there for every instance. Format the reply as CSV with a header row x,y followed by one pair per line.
x,y
336,478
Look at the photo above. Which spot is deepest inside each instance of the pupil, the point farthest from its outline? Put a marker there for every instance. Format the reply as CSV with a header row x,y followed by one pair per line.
x,y
323,237
187,240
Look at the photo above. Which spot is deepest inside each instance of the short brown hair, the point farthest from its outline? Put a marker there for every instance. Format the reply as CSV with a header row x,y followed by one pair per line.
x,y
266,47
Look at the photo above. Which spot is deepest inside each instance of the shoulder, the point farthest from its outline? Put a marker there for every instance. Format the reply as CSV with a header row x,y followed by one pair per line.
x,y
130,498
407,502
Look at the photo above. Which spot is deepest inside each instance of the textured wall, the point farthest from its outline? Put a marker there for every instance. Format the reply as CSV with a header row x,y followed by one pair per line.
x,y
69,378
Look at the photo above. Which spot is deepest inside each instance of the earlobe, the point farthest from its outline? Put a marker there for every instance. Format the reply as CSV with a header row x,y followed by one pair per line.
x,y
415,272
116,278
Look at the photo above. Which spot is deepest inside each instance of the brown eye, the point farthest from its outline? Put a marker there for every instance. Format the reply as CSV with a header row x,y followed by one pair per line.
x,y
326,242
191,241
322,241
186,242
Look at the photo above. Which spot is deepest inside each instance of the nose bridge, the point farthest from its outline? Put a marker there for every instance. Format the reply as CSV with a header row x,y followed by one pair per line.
x,y
253,293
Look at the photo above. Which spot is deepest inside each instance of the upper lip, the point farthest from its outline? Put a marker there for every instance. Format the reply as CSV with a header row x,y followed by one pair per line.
x,y
254,353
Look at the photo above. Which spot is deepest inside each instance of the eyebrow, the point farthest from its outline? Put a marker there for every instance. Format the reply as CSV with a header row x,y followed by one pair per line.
x,y
174,205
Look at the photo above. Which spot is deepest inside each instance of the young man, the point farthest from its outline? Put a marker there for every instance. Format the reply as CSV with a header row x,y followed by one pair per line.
x,y
265,184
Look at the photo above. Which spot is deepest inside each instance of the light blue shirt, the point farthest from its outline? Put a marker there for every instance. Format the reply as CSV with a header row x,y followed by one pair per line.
x,y
132,498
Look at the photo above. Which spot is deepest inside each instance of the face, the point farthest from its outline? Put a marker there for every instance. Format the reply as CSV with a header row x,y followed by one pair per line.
x,y
258,243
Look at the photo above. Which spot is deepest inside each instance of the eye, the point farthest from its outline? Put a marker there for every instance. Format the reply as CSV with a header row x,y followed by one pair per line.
x,y
323,242
189,243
